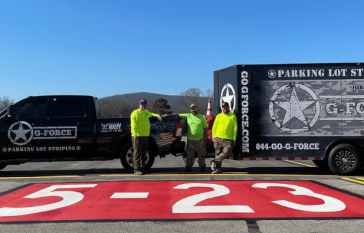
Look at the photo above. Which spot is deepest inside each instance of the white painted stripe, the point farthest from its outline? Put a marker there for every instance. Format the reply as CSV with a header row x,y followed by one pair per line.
x,y
129,195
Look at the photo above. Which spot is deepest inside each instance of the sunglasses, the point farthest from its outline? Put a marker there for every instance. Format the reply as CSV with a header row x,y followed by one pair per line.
x,y
143,104
193,108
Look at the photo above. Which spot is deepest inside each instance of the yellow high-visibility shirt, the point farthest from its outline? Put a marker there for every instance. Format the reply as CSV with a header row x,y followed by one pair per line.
x,y
225,126
196,125
140,125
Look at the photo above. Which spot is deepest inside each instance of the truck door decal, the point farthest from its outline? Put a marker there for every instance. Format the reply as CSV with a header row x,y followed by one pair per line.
x,y
21,133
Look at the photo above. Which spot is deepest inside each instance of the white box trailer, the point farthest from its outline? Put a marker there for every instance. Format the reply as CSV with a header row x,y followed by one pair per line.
x,y
296,112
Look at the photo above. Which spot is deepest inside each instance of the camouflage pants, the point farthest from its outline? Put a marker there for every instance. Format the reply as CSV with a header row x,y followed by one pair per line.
x,y
200,147
140,152
223,148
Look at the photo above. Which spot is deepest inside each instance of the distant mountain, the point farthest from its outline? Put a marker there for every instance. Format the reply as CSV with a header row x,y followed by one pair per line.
x,y
133,99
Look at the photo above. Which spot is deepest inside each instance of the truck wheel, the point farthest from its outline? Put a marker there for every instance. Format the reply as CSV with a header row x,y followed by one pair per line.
x,y
2,166
322,164
344,159
126,157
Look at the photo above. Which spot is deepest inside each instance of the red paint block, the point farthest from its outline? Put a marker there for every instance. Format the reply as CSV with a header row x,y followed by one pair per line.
x,y
177,200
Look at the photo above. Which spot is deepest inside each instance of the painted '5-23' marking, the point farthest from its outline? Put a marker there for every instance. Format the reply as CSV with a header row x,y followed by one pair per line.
x,y
187,205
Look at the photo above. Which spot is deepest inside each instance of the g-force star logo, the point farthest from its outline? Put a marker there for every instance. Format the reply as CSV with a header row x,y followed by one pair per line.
x,y
297,110
271,74
20,133
227,97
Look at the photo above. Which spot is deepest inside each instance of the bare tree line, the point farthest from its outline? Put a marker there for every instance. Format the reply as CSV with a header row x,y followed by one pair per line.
x,y
5,101
119,108
194,95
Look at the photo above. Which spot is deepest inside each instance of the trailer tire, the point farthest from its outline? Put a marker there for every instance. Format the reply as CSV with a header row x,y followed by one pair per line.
x,y
344,159
322,164
126,157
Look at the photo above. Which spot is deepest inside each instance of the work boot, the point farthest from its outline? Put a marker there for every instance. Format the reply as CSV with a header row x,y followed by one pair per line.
x,y
218,169
213,165
202,169
188,169
138,173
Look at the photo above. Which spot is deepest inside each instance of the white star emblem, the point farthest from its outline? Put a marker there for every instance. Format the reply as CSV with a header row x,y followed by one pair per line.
x,y
294,108
228,98
20,133
271,74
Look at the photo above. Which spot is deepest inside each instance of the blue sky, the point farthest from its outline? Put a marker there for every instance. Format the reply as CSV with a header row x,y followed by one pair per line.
x,y
110,47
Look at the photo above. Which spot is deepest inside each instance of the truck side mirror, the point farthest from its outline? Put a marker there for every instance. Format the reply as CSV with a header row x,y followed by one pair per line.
x,y
8,113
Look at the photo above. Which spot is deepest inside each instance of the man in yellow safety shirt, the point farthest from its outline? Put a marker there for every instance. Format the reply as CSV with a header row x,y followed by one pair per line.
x,y
224,136
197,134
140,130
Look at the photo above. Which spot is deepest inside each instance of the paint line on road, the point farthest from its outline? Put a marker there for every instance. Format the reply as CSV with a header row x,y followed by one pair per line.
x,y
129,195
356,181
307,165
37,177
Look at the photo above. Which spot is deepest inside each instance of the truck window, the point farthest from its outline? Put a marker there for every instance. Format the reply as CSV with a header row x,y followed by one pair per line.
x,y
68,108
3,111
32,109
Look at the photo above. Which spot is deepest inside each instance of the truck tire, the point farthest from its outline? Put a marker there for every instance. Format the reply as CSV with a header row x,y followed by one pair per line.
x,y
344,159
2,166
126,157
322,164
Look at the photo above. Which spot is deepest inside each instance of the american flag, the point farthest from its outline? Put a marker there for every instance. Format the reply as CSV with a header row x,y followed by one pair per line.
x,y
165,139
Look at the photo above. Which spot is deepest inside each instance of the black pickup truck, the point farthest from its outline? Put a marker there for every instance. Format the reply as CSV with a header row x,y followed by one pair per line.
x,y
69,128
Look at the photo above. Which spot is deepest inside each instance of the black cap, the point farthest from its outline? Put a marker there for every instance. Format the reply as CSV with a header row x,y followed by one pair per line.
x,y
142,101
225,104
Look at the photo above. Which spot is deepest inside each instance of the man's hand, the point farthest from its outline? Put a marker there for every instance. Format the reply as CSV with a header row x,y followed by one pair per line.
x,y
136,139
234,142
159,118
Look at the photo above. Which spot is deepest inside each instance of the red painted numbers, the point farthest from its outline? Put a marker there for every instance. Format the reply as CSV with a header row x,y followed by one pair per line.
x,y
177,200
